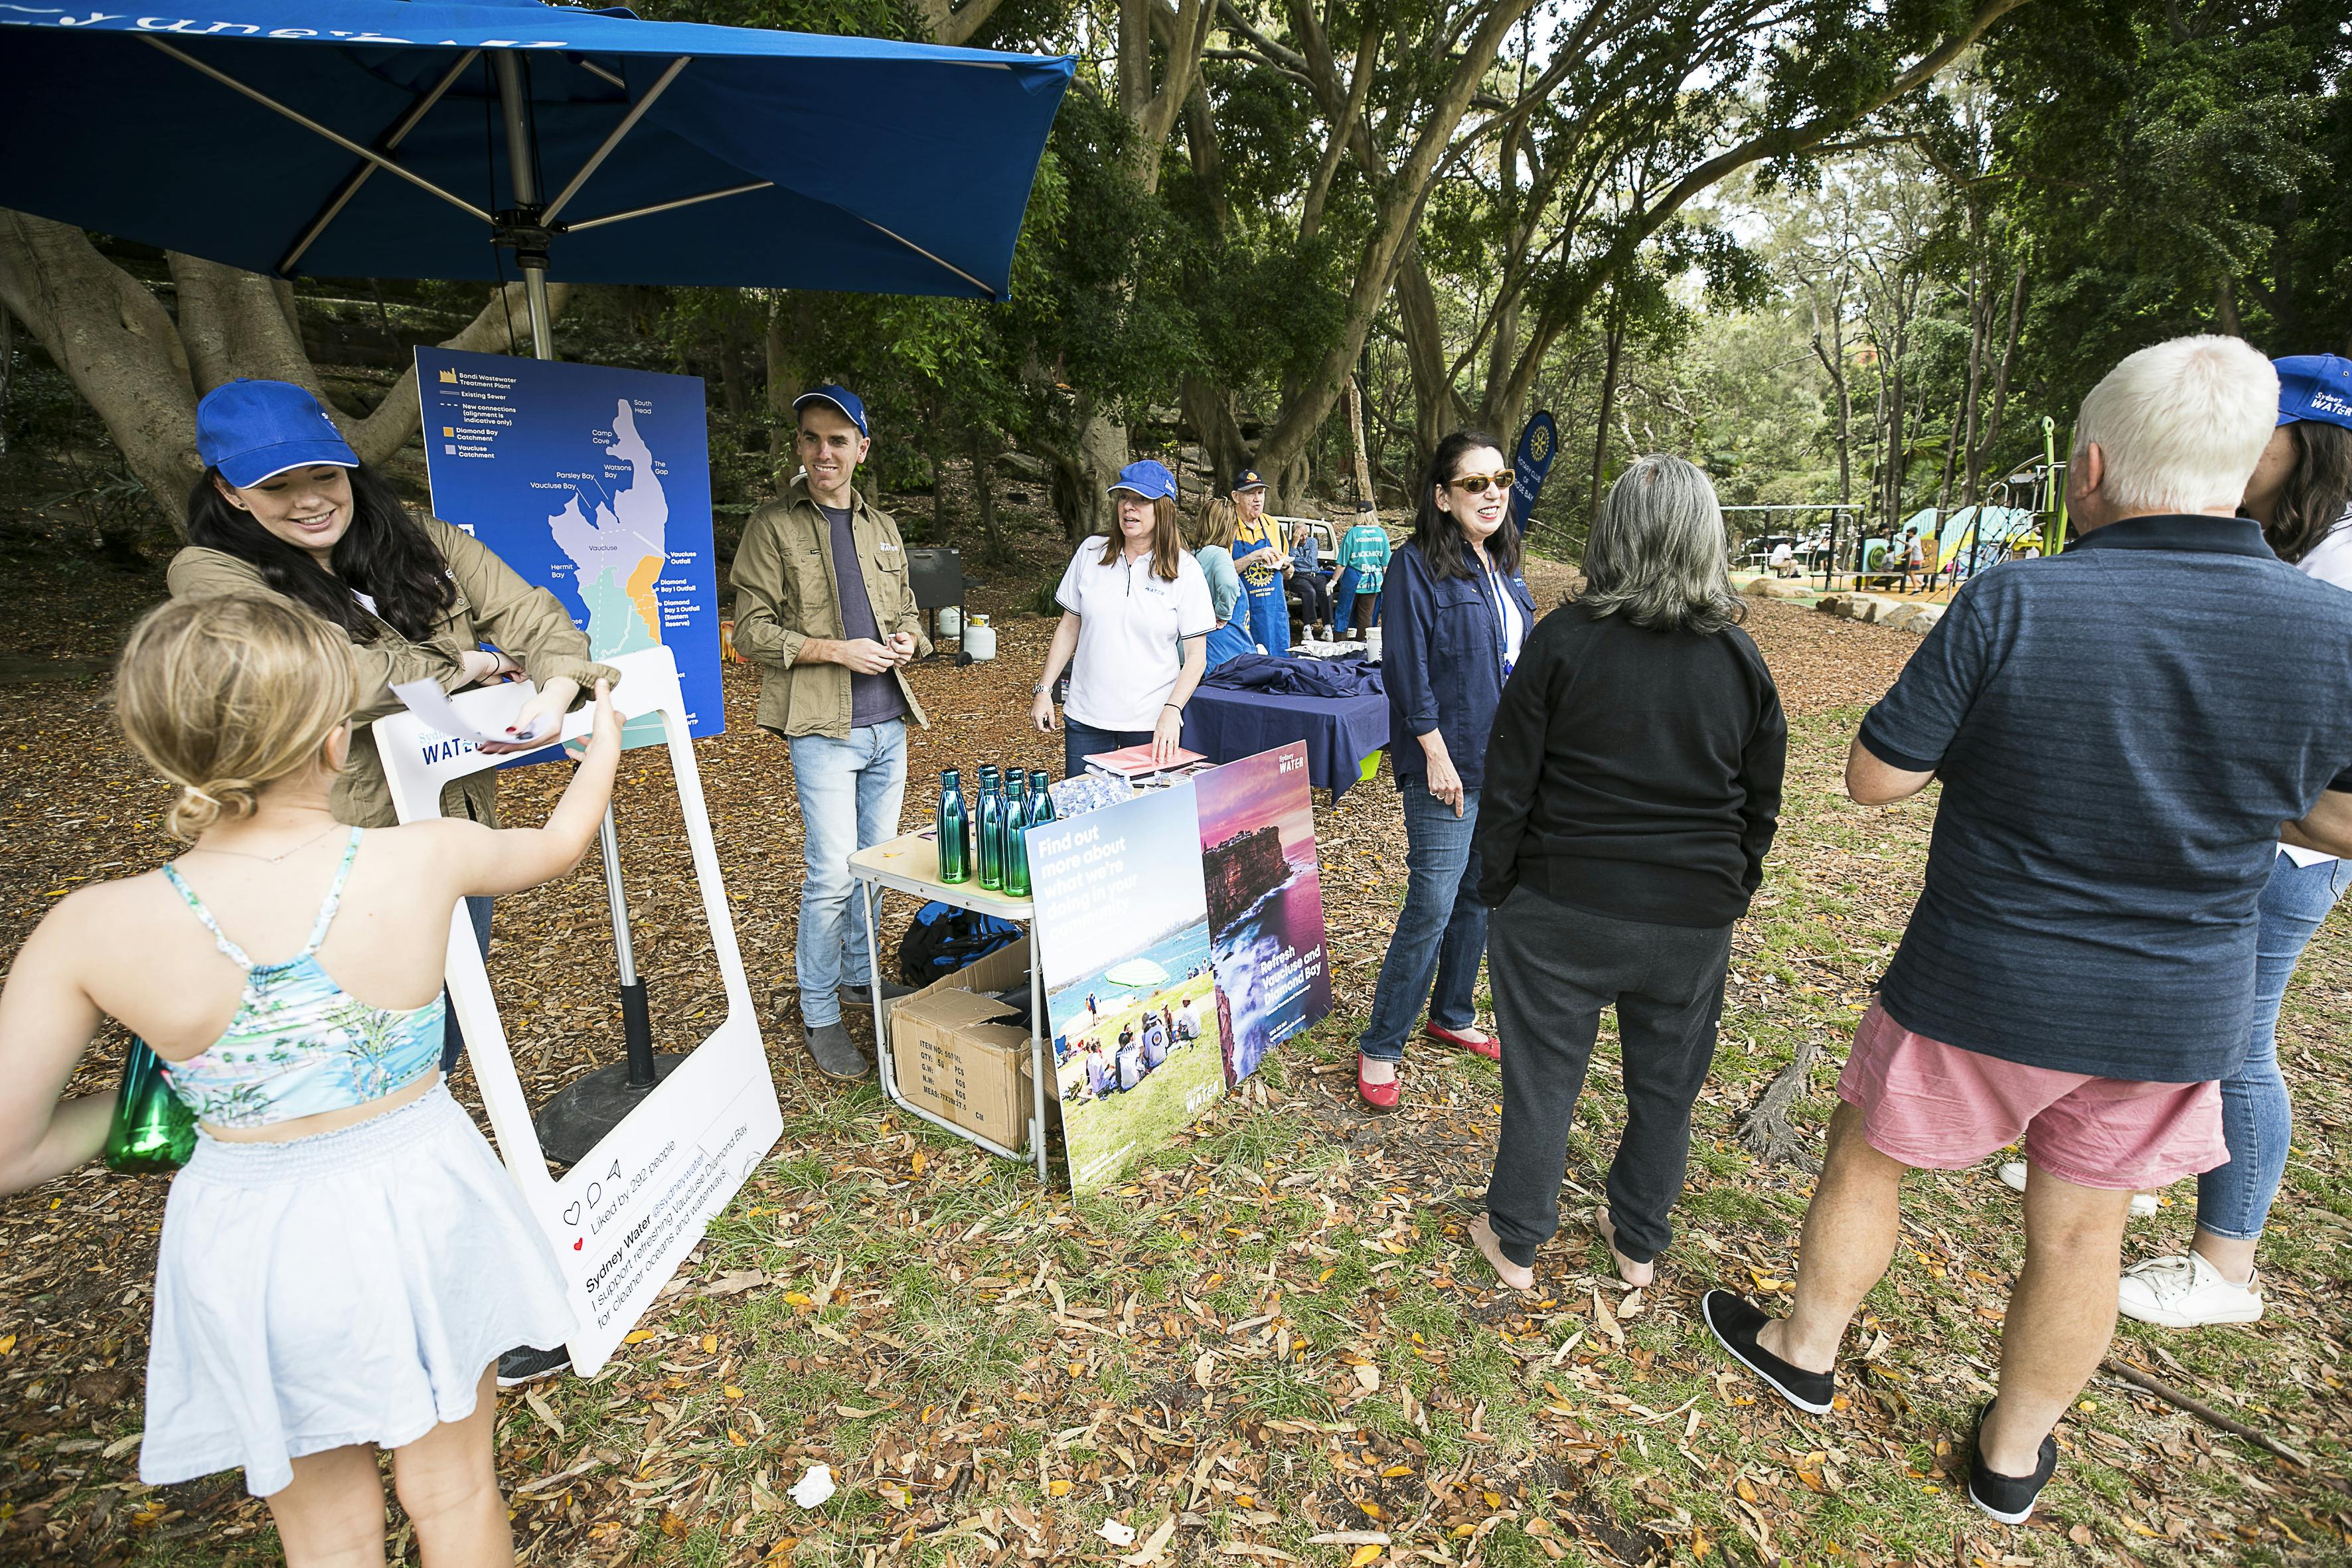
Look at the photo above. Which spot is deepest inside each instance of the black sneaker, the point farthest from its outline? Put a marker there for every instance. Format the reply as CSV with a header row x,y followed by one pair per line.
x,y
2009,1499
523,1365
1735,1321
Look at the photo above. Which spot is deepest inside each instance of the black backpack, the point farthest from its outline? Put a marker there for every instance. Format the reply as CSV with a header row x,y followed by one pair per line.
x,y
943,938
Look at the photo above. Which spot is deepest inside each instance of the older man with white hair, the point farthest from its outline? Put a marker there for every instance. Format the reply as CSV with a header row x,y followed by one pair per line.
x,y
2119,759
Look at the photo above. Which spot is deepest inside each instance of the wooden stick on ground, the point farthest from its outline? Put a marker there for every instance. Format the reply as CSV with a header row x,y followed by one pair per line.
x,y
2212,1418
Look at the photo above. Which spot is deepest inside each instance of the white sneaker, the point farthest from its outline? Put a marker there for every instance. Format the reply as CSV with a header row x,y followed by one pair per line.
x,y
2187,1293
2013,1175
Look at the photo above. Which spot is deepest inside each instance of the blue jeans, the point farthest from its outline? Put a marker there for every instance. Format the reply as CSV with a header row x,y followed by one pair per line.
x,y
2234,1201
1442,929
453,1040
1081,740
850,791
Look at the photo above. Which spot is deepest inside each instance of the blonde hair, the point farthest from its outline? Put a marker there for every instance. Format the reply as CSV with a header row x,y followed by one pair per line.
x,y
1219,521
2181,424
226,696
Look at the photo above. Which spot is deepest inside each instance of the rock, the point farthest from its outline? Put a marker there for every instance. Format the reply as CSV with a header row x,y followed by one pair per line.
x,y
1916,619
1776,588
1022,465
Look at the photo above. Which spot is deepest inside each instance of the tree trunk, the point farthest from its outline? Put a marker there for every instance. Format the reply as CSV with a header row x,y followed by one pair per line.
x,y
1209,410
1978,453
141,372
790,321
983,488
1356,430
1436,407
731,377
1600,427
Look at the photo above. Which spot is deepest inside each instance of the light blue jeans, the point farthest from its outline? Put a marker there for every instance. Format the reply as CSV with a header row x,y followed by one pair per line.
x,y
1441,931
2234,1201
850,791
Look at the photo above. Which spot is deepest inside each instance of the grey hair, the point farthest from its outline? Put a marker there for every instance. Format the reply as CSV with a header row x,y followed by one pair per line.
x,y
1658,554
2180,423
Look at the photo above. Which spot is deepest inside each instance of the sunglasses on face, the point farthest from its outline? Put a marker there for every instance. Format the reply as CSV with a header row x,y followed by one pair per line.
x,y
1477,484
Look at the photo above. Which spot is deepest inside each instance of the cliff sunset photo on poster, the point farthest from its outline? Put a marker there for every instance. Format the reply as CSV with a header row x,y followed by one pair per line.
x,y
1265,902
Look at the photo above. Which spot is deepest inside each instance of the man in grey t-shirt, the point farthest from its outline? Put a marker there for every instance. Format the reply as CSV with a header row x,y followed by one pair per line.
x,y
824,605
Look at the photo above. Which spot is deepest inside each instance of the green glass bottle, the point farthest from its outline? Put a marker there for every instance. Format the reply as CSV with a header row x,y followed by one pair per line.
x,y
1016,841
1041,798
153,1132
954,824
991,817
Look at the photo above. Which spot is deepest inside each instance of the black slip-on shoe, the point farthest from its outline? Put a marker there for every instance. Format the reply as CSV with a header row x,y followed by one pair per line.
x,y
2009,1499
524,1364
1734,1320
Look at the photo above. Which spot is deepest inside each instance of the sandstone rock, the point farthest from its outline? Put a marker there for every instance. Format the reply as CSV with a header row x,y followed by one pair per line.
x,y
1776,588
1922,618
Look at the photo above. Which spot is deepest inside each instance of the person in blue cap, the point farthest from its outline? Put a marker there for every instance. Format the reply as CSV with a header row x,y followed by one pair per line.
x,y
1264,563
824,605
1135,618
2300,493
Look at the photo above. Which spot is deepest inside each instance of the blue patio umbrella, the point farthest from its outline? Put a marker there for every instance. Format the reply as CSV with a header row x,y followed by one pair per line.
x,y
386,139
380,138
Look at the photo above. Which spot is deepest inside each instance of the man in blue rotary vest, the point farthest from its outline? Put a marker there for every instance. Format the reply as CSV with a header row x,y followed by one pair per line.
x,y
1263,563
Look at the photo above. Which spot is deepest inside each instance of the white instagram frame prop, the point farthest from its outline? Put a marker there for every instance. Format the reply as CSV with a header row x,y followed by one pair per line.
x,y
622,1218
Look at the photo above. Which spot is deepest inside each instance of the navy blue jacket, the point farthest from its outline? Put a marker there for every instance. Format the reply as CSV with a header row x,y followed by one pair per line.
x,y
1442,661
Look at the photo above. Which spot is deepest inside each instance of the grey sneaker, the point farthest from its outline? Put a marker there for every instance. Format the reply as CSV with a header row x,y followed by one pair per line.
x,y
836,1054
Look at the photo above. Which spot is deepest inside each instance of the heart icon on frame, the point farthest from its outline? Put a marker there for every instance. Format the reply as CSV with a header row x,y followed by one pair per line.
x,y
576,1243
572,1214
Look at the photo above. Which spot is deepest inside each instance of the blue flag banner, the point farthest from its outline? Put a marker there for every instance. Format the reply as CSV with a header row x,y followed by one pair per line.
x,y
1538,444
594,483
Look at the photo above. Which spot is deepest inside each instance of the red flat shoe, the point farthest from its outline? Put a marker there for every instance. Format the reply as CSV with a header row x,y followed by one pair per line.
x,y
1380,1097
1490,1047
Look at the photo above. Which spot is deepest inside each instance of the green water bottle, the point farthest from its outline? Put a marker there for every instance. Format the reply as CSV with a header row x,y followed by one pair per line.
x,y
992,828
1017,844
954,825
1041,798
153,1132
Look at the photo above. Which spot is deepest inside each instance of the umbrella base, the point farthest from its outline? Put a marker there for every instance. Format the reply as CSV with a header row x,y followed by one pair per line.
x,y
570,1125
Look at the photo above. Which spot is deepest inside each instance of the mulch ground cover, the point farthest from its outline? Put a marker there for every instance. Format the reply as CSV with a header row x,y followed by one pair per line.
x,y
1272,1343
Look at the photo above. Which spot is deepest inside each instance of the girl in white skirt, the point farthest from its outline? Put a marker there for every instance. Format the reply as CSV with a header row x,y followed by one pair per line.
x,y
342,1259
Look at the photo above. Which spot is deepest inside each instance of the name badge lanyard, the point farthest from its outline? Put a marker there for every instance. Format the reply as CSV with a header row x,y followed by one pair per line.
x,y
1502,615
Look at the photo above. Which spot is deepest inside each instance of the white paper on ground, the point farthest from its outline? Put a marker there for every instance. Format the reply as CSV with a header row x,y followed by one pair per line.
x,y
814,1488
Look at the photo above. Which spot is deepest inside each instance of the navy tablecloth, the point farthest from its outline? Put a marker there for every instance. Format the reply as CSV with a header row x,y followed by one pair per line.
x,y
1339,731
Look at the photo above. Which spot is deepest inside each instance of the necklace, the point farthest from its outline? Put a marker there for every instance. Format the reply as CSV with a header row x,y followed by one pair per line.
x,y
270,860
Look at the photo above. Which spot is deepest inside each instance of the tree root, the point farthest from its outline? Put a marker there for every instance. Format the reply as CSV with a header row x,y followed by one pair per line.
x,y
1766,1131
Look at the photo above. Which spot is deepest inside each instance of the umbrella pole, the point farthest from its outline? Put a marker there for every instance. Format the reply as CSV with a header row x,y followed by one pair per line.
x,y
571,1123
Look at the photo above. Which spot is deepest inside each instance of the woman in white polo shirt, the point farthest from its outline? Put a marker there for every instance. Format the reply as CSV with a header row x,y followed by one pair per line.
x,y
1135,618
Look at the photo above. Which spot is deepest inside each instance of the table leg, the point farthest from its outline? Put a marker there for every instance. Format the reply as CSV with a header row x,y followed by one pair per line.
x,y
873,980
1039,1054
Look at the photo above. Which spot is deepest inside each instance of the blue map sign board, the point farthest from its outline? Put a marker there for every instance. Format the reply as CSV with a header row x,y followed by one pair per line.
x,y
594,483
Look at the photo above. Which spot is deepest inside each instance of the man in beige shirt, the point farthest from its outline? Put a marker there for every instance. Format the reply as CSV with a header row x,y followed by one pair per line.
x,y
824,605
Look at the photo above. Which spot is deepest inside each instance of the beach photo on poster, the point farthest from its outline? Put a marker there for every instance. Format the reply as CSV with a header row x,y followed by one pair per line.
x,y
1265,897
1123,938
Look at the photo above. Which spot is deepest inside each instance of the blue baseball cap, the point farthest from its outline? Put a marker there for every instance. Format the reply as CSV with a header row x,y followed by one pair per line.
x,y
2315,386
252,429
1248,479
841,397
1146,478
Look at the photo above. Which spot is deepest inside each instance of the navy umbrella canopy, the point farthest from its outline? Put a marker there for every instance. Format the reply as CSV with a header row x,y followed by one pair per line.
x,y
370,138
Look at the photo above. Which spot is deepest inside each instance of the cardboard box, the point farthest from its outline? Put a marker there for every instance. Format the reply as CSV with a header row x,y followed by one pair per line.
x,y
957,1052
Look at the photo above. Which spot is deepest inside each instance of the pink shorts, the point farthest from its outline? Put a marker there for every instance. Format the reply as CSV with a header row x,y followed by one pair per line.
x,y
1939,1108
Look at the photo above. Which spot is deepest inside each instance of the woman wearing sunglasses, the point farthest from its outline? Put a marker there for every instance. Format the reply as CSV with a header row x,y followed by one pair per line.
x,y
1455,611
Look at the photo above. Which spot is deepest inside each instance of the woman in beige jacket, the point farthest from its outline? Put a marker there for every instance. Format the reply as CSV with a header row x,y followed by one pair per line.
x,y
287,508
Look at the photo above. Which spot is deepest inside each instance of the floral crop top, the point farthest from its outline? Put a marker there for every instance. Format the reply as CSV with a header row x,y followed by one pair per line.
x,y
300,1044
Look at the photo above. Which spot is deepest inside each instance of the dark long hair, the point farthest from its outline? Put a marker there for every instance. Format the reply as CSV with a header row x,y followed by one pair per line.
x,y
2317,489
1438,534
383,555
